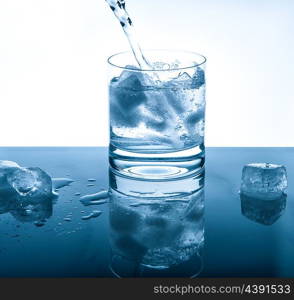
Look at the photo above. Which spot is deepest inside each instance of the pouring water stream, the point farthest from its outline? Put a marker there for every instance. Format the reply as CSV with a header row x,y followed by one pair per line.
x,y
119,9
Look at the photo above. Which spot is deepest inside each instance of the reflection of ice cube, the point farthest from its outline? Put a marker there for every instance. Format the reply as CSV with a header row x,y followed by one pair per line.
x,y
29,211
264,181
265,212
159,231
119,215
130,247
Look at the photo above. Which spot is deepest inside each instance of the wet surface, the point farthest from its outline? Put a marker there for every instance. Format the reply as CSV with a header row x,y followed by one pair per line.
x,y
243,237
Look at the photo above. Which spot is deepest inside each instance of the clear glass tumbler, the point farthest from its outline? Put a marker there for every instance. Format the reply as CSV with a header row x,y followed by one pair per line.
x,y
157,116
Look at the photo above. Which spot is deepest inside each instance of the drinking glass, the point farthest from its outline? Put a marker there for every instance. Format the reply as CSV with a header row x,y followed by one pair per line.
x,y
157,116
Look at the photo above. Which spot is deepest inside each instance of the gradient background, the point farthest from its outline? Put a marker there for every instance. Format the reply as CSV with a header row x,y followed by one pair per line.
x,y
53,80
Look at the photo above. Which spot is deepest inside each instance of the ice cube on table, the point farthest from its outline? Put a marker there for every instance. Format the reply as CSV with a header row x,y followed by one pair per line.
x,y
6,167
22,180
30,183
263,180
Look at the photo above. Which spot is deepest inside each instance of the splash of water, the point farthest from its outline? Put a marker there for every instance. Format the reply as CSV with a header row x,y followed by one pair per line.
x,y
93,214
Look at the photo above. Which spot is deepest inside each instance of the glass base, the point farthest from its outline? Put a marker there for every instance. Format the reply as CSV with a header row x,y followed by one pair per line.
x,y
156,189
159,165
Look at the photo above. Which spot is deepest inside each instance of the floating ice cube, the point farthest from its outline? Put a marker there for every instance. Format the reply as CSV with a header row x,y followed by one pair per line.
x,y
193,119
160,107
136,97
156,109
198,78
264,181
126,95
194,116
152,118
176,92
263,211
186,101
123,118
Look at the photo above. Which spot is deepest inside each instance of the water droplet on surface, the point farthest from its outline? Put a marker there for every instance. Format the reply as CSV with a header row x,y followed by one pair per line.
x,y
61,182
93,214
95,199
40,223
91,179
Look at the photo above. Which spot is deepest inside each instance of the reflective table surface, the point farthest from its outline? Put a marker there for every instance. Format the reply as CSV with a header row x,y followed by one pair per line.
x,y
242,237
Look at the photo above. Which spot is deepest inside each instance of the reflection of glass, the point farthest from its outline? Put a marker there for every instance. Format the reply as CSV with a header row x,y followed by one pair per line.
x,y
156,227
37,210
265,212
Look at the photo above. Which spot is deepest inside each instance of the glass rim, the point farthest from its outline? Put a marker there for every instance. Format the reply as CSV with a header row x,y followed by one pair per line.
x,y
195,65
